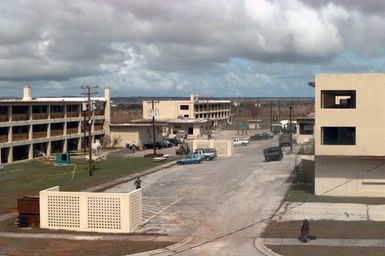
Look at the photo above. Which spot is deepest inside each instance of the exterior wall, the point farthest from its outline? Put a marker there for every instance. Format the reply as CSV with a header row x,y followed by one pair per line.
x,y
218,110
303,138
168,109
359,176
369,125
87,211
48,121
134,134
223,147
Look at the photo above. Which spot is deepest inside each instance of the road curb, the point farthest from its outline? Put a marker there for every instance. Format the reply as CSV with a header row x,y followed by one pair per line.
x,y
261,247
169,249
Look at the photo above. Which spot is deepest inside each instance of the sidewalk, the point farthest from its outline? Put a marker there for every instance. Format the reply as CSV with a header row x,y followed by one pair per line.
x,y
330,211
90,237
327,242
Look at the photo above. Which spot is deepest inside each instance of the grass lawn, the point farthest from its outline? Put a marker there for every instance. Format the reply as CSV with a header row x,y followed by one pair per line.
x,y
28,178
328,229
303,250
305,193
29,246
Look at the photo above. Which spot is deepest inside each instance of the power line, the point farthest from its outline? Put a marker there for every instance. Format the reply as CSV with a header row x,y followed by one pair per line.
x,y
276,214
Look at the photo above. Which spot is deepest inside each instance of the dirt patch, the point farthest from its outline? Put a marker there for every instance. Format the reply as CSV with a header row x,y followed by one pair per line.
x,y
53,247
300,250
328,229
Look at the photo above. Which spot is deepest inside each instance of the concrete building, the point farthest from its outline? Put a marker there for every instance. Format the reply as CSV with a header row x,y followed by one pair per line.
x,y
50,125
305,129
138,133
349,135
217,111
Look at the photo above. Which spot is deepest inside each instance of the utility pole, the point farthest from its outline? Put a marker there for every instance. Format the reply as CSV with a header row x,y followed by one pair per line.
x,y
271,116
279,111
89,90
208,126
290,129
84,109
236,104
153,114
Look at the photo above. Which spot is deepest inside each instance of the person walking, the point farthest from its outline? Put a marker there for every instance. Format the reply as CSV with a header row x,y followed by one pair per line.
x,y
138,183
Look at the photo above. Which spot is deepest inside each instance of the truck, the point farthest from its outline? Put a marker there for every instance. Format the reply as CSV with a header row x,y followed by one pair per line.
x,y
284,140
206,153
240,142
273,153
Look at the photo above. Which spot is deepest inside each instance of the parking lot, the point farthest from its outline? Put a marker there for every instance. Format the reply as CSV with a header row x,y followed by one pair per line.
x,y
221,199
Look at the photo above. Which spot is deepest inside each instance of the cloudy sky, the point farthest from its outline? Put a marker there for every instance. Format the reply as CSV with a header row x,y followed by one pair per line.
x,y
175,48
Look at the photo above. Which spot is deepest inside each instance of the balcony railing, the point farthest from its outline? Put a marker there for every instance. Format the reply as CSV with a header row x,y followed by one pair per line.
x,y
19,136
98,128
72,130
57,115
37,116
3,138
56,133
4,118
37,135
99,112
20,117
72,114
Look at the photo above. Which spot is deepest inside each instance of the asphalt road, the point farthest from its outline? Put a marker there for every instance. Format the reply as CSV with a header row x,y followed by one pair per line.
x,y
217,202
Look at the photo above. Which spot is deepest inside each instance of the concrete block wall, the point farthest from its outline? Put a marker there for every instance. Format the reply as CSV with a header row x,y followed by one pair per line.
x,y
88,211
223,147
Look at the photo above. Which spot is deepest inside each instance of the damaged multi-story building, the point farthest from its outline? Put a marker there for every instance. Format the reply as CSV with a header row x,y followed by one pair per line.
x,y
349,135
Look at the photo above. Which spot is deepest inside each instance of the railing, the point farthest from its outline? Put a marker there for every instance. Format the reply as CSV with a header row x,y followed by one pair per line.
x,y
56,133
4,118
98,128
20,117
3,138
57,115
37,135
99,112
20,136
72,114
72,130
36,116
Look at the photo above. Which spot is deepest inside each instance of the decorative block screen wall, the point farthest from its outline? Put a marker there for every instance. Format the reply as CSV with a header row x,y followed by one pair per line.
x,y
223,147
86,211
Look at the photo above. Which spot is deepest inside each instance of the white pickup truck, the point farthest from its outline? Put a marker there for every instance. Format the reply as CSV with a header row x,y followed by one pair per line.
x,y
239,142
206,153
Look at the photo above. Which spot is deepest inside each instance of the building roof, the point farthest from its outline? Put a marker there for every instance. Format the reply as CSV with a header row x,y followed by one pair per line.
x,y
56,99
212,101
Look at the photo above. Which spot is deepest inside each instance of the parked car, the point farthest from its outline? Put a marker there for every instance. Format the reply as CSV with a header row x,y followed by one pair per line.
x,y
158,145
239,142
261,136
173,141
166,144
190,159
273,153
206,153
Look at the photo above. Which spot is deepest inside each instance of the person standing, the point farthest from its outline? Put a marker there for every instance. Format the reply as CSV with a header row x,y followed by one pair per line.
x,y
138,183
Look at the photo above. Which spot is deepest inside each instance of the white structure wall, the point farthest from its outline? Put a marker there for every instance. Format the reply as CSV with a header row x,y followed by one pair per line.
x,y
88,211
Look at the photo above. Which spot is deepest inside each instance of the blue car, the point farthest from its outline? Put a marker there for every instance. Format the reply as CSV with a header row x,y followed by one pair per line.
x,y
190,159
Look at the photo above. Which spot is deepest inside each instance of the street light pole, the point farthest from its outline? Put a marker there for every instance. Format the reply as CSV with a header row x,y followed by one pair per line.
x,y
153,122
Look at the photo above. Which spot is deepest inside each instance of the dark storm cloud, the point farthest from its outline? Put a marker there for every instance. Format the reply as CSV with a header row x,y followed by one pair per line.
x,y
368,6
172,45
